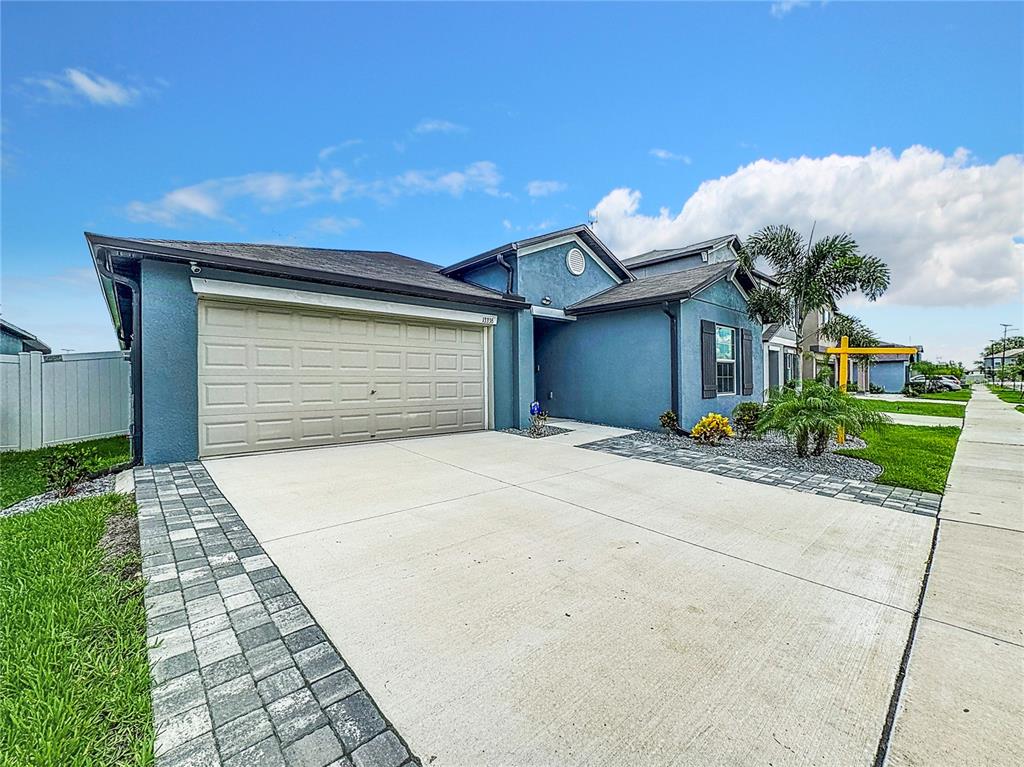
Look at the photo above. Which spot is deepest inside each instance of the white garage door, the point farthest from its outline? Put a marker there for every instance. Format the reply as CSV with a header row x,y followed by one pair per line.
x,y
275,377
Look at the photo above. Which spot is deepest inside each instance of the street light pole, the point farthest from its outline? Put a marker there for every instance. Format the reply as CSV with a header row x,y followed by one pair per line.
x,y
1002,365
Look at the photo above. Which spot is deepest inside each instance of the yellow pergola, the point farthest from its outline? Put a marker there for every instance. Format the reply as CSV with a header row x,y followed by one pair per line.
x,y
844,350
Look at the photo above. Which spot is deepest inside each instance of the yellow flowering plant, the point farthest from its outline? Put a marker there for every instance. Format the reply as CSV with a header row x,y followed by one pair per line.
x,y
711,429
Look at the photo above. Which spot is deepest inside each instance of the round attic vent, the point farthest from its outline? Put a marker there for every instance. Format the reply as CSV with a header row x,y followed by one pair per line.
x,y
576,261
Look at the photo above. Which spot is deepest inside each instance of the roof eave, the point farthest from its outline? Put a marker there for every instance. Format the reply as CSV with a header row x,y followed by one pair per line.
x,y
167,253
630,304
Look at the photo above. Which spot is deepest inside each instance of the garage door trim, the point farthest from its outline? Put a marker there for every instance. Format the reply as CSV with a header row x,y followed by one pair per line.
x,y
266,294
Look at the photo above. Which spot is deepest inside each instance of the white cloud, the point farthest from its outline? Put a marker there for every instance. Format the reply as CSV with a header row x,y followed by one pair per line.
x,y
950,229
78,85
664,154
428,125
327,151
213,198
544,188
477,177
335,224
781,9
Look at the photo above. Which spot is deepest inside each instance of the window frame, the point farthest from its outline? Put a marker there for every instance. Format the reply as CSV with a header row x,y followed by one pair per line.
x,y
726,361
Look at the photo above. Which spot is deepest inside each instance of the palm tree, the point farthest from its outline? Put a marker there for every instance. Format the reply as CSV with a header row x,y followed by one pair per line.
x,y
814,414
811,276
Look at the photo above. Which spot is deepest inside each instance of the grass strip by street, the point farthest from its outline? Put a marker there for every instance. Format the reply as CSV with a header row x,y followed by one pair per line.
x,y
917,457
948,410
74,674
1006,394
21,474
963,395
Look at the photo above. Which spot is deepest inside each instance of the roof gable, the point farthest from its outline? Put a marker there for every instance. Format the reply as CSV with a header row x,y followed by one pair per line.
x,y
532,244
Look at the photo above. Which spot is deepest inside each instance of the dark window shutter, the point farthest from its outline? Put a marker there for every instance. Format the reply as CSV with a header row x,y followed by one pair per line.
x,y
709,387
747,361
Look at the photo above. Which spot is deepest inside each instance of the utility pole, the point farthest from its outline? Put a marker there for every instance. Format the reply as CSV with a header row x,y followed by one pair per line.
x,y
1002,365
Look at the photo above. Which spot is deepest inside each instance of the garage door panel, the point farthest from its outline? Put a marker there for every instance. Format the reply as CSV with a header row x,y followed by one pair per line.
x,y
275,377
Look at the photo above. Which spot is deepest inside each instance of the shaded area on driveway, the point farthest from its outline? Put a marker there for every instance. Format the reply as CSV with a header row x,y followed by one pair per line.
x,y
516,601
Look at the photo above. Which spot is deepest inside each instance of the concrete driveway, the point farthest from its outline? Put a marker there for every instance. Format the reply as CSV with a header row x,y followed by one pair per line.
x,y
512,601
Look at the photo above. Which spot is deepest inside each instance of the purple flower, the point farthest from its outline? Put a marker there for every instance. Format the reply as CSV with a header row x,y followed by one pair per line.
x,y
534,408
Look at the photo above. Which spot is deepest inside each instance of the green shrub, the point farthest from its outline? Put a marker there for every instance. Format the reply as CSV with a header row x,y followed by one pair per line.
x,y
815,413
745,417
68,465
669,420
876,389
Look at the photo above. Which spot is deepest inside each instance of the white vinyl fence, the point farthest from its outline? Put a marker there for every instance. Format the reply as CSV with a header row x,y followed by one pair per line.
x,y
54,398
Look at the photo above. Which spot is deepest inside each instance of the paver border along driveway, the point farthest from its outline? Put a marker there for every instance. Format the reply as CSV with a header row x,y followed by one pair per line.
x,y
242,675
515,601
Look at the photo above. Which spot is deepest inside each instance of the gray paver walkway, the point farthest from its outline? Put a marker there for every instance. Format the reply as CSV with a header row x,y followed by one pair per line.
x,y
242,674
860,491
962,699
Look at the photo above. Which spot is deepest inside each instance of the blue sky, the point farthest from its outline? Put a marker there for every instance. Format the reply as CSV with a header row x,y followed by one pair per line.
x,y
439,131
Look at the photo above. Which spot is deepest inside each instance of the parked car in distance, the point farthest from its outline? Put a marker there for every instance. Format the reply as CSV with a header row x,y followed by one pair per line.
x,y
936,383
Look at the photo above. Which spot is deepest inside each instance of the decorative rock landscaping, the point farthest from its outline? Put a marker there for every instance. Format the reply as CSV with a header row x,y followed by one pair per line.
x,y
99,486
242,674
665,449
546,431
774,450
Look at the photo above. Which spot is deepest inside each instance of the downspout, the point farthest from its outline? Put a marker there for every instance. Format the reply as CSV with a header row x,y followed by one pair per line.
x,y
134,347
509,289
673,332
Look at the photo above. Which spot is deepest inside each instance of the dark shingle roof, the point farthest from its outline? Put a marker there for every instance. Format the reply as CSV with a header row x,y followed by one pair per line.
x,y
655,256
31,342
651,290
375,270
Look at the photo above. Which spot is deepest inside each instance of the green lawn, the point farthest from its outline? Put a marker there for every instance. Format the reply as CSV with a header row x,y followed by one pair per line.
x,y
954,396
21,473
949,410
74,677
1013,396
917,457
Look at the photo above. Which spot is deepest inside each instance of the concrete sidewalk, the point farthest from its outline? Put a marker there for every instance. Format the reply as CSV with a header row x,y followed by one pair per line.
x,y
962,700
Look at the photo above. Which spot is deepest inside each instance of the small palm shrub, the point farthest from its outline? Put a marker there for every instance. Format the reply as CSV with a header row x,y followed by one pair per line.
x,y
745,416
669,420
711,429
876,389
812,415
66,466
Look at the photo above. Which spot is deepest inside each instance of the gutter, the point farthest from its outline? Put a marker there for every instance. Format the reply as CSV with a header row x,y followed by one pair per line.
x,y
674,354
101,258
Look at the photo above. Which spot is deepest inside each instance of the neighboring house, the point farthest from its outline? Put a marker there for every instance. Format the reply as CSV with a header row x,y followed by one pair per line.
x,y
890,371
240,347
994,362
14,340
781,355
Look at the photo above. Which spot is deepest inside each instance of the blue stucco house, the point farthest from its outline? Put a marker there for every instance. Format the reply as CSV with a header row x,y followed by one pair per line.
x,y
241,347
14,340
890,372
